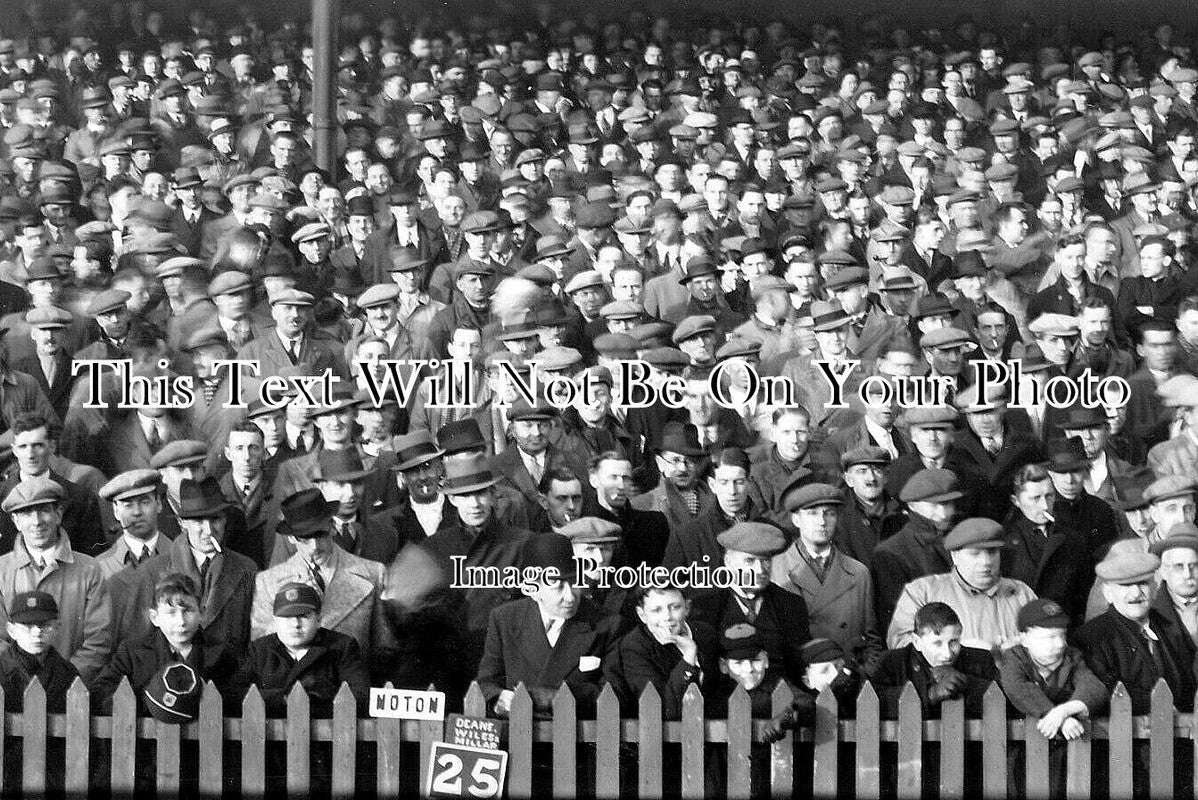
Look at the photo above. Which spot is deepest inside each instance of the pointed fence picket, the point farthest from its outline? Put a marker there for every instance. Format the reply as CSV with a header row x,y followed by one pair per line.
x,y
903,750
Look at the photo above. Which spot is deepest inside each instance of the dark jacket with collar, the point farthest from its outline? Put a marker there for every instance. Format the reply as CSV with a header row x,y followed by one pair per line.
x,y
1056,299
139,659
915,551
1117,650
1094,519
1063,570
332,659
17,668
858,535
639,660
781,622
906,664
697,544
977,501
518,651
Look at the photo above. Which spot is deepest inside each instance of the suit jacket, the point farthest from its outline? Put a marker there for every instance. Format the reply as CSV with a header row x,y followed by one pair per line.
x,y
191,235
58,389
915,551
351,598
1117,650
376,263
668,501
127,446
518,651
117,557
858,535
841,607
317,352
781,622
261,510
881,330
225,605
510,467
1018,449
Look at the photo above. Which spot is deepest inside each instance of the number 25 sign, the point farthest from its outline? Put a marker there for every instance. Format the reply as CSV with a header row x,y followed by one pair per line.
x,y
456,771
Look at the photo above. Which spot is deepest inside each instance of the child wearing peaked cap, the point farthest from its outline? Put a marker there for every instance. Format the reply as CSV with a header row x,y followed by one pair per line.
x,y
1048,680
32,626
825,667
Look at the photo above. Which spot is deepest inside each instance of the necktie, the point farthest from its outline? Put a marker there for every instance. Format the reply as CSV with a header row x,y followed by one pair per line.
x,y
345,536
153,437
991,445
317,578
1155,651
205,569
750,611
246,491
553,630
293,351
534,470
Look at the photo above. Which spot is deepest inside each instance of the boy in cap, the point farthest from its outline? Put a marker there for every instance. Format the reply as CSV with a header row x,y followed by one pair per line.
x,y
827,667
1046,678
177,635
32,625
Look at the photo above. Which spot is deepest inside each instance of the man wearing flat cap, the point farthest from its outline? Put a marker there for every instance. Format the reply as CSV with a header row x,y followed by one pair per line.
x,y
871,513
469,302
554,636
987,603
1131,643
43,560
136,503
780,616
524,465
292,340
1177,596
835,587
933,434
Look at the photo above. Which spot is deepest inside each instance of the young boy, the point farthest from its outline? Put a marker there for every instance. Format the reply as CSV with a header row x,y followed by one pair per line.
x,y
32,626
746,663
826,667
300,651
1048,680
936,664
176,636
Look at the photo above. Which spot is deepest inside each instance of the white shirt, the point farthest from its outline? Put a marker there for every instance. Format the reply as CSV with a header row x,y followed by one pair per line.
x,y
407,237
291,345
136,546
553,627
149,425
429,515
297,435
883,437
1097,474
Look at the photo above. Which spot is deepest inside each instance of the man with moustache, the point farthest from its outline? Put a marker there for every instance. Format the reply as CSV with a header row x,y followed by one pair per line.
x,y
644,532
870,514
681,494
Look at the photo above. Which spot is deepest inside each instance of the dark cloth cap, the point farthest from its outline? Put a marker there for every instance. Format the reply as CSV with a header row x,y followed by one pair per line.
x,y
756,538
32,608
741,641
173,694
976,532
931,486
1042,613
810,495
296,600
821,651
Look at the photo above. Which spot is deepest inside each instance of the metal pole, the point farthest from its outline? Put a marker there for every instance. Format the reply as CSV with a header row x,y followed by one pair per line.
x,y
325,16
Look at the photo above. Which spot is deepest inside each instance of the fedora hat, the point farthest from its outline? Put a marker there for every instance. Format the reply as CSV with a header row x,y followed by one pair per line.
x,y
343,466
467,475
681,438
414,449
460,436
306,514
201,499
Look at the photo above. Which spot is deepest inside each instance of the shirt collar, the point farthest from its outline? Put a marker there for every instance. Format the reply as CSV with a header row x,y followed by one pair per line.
x,y
136,546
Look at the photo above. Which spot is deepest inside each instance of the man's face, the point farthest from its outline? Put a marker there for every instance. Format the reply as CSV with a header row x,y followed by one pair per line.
x,y
1171,511
423,481
816,525
347,494
1158,349
1132,600
867,481
628,285
206,535
931,442
290,320
977,565
335,427
682,471
138,515
558,598
563,501
1036,500
791,434
1179,568
752,571
612,481
663,612
1069,485
38,525
939,648
1095,325
532,435
730,484
245,452
474,509
32,451
35,638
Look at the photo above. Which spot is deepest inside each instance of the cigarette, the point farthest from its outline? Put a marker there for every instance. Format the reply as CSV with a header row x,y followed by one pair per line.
x,y
1049,516
216,546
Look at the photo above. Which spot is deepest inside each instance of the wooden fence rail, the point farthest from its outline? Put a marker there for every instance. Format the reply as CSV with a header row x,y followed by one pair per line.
x,y
868,756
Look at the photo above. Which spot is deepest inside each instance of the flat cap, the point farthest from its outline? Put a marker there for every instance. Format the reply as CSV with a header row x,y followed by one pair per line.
x,y
1041,613
379,294
820,651
32,492
173,267
108,301
931,417
311,232
947,337
586,279
755,538
292,297
738,347
616,345
230,282
692,326
1055,325
591,530
49,317
132,483
867,454
620,309
557,359
846,277
180,453
1183,534
977,532
666,359
931,486
1124,567
1168,487
32,608
810,495
759,287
